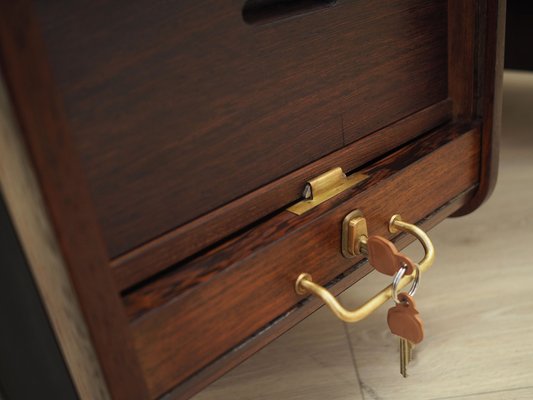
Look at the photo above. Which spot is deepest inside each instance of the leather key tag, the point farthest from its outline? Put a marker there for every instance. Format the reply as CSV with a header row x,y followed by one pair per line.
x,y
385,257
404,319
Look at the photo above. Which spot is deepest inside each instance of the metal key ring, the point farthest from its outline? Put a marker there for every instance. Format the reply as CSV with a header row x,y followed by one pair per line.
x,y
398,277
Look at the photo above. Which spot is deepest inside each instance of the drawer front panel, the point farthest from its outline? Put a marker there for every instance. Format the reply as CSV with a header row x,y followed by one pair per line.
x,y
179,107
191,316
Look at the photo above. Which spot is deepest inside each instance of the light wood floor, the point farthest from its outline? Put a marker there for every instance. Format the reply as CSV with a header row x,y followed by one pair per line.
x,y
476,302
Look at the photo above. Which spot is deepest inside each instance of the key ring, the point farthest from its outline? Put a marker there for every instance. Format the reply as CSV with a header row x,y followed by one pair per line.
x,y
398,277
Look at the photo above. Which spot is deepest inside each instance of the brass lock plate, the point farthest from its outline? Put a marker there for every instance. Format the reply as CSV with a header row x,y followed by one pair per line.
x,y
354,234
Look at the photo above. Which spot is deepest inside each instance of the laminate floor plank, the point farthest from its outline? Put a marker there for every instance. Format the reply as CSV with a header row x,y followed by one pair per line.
x,y
511,394
311,361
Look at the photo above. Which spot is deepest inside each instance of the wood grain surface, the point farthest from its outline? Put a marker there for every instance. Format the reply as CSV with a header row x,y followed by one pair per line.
x,y
255,273
490,41
177,108
463,49
173,247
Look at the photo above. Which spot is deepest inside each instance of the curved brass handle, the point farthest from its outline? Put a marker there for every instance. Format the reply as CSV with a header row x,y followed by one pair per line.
x,y
305,284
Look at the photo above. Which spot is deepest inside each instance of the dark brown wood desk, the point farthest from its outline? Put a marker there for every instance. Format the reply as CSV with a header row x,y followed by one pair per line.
x,y
150,150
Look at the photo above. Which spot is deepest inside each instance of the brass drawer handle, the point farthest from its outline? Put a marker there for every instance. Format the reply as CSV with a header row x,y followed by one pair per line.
x,y
305,284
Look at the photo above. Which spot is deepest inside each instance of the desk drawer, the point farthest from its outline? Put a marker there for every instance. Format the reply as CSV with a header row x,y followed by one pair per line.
x,y
194,314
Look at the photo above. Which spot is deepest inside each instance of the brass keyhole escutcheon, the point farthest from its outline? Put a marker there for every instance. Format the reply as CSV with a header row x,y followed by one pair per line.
x,y
354,234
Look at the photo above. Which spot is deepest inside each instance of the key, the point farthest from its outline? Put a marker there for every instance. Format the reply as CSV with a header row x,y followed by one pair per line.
x,y
385,257
405,355
404,321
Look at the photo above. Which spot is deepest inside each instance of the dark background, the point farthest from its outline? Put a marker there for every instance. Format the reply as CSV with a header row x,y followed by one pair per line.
x,y
519,35
31,365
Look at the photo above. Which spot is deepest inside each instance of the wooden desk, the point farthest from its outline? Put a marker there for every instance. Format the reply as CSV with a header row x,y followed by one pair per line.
x,y
150,151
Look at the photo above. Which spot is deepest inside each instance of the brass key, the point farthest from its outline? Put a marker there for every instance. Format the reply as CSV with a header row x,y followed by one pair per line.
x,y
406,349
404,321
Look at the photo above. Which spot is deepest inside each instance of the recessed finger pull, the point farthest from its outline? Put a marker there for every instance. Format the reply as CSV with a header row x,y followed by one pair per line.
x,y
257,12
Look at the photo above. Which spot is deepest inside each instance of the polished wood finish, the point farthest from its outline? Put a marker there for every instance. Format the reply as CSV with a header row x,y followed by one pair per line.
x,y
183,242
59,228
164,98
183,322
462,43
489,72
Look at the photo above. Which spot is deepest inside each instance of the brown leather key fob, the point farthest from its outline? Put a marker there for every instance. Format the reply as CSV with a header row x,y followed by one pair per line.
x,y
385,257
404,319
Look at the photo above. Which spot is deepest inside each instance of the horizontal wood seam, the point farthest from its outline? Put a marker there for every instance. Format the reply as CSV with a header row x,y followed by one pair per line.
x,y
186,240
